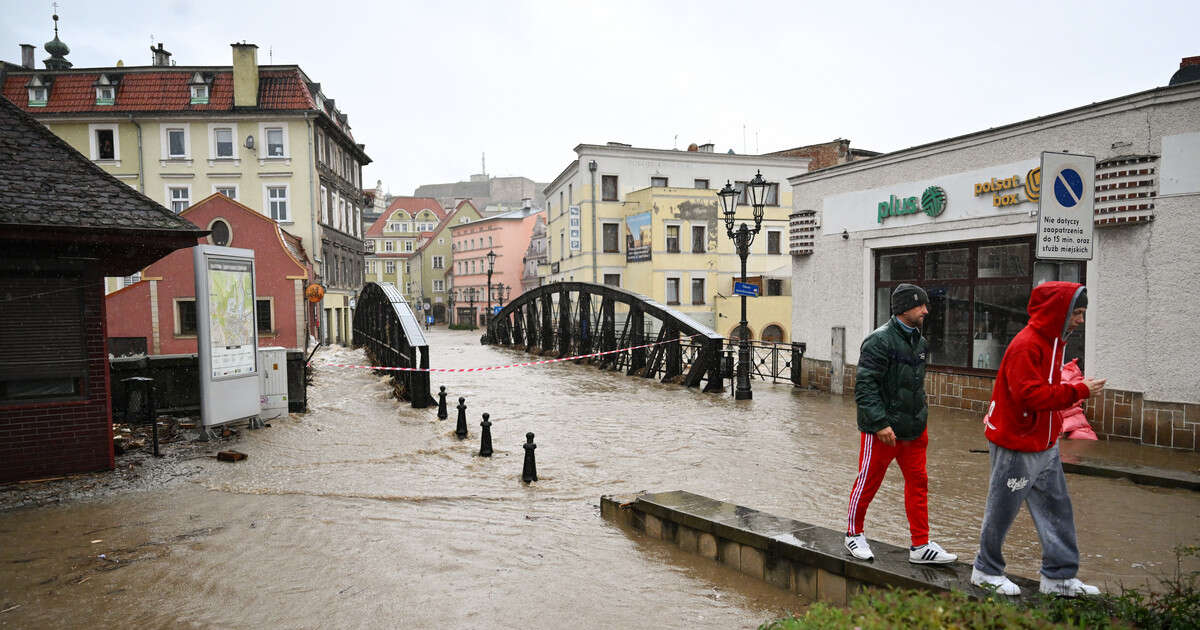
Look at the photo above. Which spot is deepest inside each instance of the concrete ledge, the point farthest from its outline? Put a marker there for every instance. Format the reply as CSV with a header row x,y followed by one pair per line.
x,y
1138,474
803,558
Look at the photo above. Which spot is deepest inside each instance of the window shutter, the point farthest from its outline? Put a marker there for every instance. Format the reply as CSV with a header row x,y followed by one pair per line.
x,y
41,327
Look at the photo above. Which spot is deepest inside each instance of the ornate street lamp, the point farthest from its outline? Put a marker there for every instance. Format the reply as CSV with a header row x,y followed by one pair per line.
x,y
743,237
450,306
500,293
491,259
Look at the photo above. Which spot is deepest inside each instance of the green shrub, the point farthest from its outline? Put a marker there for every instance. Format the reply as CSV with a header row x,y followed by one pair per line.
x,y
1174,607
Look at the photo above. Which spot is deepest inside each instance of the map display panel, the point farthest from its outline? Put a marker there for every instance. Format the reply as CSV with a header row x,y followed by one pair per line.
x,y
231,317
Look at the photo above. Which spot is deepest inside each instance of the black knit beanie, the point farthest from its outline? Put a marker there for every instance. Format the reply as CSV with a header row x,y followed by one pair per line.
x,y
908,296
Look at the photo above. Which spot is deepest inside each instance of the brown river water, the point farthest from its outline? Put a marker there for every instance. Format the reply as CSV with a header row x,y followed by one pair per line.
x,y
367,513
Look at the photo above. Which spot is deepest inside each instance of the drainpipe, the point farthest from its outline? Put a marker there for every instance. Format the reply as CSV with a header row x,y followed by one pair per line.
x,y
312,216
592,168
141,170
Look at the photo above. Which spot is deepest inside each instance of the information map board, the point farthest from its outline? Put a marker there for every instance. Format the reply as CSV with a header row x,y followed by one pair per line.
x,y
226,333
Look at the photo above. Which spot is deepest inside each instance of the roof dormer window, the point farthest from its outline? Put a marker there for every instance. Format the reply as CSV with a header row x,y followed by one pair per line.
x,y
106,90
199,89
39,92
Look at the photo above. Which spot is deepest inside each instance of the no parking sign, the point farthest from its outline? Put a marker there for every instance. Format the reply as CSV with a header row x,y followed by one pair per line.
x,y
1065,224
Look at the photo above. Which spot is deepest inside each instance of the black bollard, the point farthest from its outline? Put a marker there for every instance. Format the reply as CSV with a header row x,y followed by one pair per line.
x,y
461,429
529,472
485,442
442,415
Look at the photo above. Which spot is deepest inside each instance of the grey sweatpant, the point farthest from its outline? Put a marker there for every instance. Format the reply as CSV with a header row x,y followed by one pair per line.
x,y
1037,480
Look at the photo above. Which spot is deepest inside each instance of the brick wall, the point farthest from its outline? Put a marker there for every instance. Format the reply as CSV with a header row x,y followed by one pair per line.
x,y
1114,415
50,439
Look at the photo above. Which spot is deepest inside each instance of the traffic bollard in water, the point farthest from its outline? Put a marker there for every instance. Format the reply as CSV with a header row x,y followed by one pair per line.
x,y
529,472
485,442
461,429
442,415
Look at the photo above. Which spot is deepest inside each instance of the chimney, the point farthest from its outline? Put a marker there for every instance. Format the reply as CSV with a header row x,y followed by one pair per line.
x,y
245,75
526,203
27,56
161,56
707,147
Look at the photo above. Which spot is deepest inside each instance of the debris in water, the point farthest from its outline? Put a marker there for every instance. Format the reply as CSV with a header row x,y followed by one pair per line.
x,y
230,456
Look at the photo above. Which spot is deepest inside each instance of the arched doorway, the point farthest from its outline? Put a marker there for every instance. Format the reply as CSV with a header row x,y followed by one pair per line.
x,y
773,333
738,332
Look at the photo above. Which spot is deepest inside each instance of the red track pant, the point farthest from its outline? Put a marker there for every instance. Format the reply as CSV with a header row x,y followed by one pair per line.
x,y
873,459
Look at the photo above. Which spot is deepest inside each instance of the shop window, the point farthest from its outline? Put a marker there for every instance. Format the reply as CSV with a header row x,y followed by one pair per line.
x,y
978,293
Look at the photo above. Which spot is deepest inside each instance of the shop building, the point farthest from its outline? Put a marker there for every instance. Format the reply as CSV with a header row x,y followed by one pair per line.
x,y
959,217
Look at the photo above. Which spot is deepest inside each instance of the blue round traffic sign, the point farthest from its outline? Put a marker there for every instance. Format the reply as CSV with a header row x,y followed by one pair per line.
x,y
1068,187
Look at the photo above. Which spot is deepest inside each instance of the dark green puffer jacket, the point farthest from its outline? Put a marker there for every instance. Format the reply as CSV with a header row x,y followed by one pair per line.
x,y
890,382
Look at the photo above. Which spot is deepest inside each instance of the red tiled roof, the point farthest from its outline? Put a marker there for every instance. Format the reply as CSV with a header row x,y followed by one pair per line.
x,y
410,206
159,90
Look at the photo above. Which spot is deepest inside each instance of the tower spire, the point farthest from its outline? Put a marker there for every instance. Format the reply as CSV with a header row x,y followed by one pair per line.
x,y
57,49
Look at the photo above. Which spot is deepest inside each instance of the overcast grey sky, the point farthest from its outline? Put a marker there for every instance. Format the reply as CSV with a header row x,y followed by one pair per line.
x,y
429,86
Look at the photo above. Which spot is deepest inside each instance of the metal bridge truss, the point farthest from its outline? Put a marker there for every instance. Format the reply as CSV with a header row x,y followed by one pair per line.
x,y
574,318
386,327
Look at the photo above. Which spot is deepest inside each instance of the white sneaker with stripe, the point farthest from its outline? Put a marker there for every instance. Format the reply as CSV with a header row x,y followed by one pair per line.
x,y
930,553
858,547
1068,587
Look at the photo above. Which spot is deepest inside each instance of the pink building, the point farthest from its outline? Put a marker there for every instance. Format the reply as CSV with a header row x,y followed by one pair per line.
x,y
507,235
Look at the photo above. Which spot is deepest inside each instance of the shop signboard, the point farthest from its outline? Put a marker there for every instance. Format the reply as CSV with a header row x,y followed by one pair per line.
x,y
1065,224
638,237
226,333
575,234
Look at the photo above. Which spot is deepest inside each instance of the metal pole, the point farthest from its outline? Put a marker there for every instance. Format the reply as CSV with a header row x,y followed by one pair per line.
x,y
742,391
592,167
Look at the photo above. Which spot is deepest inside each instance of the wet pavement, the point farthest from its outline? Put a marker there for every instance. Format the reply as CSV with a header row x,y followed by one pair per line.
x,y
368,513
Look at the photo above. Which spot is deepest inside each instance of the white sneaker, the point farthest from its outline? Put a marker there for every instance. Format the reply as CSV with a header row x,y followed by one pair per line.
x,y
1000,583
858,547
1067,587
930,553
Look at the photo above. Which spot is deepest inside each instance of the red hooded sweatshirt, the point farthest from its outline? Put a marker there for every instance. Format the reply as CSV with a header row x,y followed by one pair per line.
x,y
1024,414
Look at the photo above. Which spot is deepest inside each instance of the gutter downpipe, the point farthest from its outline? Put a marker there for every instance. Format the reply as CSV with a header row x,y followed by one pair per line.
x,y
312,215
592,168
141,169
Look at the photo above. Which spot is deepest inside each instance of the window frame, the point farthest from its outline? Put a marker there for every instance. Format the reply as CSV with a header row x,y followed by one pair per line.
x,y
269,202
170,198
778,234
703,227
216,188
667,290
271,331
604,224
167,128
263,146
658,181
703,290
212,141
667,237
616,188
707,184
179,332
94,143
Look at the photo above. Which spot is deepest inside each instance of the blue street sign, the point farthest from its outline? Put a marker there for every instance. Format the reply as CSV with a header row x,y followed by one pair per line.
x,y
495,310
429,319
1068,187
745,288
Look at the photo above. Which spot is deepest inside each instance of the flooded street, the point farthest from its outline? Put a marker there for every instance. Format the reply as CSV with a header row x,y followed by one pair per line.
x,y
365,512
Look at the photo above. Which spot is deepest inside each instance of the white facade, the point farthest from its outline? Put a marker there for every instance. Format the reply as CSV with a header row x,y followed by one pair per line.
x,y
1142,329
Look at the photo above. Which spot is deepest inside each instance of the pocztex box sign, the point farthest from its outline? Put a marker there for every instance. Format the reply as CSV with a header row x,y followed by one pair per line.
x,y
932,202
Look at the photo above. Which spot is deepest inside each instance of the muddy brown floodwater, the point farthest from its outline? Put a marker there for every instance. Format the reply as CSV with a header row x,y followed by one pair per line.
x,y
367,513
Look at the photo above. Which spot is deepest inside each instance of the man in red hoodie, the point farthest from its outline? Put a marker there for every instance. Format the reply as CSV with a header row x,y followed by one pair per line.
x,y
1022,424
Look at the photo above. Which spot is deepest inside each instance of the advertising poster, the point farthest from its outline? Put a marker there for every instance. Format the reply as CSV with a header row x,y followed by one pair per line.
x,y
638,237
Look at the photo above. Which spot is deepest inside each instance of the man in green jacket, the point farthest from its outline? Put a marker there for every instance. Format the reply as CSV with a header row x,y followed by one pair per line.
x,y
890,392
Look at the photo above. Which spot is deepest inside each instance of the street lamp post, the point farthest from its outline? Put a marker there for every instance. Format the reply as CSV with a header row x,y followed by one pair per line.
x,y
472,294
756,191
450,306
500,294
491,260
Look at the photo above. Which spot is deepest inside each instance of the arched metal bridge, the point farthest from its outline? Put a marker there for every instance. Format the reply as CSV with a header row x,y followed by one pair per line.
x,y
387,328
577,318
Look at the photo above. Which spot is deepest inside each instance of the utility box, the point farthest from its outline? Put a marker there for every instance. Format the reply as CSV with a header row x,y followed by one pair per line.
x,y
273,382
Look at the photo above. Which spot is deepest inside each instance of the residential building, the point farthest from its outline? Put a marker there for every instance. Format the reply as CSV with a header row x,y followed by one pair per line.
x,y
265,136
64,224
157,315
505,235
536,264
433,262
967,231
648,220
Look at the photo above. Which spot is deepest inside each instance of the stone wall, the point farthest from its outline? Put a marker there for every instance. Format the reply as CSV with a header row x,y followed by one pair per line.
x,y
1114,415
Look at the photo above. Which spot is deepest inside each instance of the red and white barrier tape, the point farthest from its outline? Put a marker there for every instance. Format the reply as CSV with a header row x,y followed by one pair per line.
x,y
500,367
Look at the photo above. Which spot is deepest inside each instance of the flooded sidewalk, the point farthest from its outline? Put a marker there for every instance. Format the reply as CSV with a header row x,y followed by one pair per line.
x,y
366,512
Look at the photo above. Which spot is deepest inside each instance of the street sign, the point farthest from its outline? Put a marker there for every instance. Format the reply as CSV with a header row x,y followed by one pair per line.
x,y
576,226
1065,216
495,310
745,288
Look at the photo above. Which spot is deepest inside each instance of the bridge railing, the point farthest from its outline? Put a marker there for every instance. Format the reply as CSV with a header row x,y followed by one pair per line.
x,y
579,318
386,327
771,361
